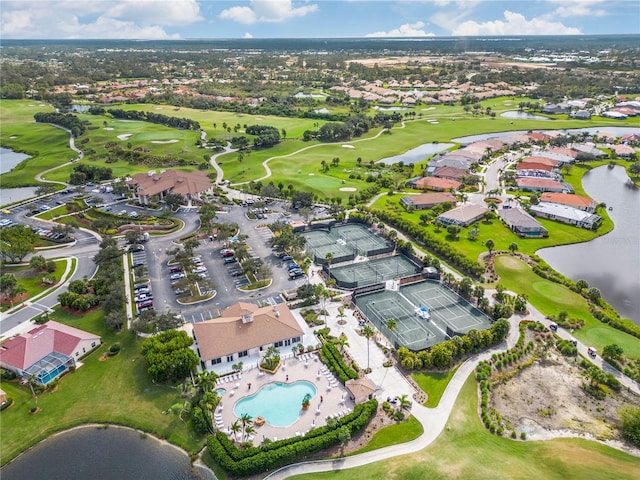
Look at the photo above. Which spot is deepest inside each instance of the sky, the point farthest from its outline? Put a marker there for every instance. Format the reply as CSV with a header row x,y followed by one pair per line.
x,y
190,19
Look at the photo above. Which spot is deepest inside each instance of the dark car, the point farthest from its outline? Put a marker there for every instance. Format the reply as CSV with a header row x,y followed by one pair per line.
x,y
230,260
137,264
136,248
287,257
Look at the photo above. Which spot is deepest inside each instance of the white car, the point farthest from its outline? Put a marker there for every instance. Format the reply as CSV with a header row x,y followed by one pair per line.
x,y
176,276
199,269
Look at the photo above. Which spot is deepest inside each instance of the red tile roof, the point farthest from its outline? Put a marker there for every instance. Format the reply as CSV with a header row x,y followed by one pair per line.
x,y
434,183
567,199
26,349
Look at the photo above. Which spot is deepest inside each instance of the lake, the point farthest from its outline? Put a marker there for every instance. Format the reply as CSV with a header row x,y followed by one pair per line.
x,y
10,159
611,262
417,154
518,115
102,454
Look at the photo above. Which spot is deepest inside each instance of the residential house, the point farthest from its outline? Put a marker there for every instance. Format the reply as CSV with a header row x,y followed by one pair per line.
x,y
434,183
463,216
521,223
581,115
623,151
566,214
530,168
535,184
245,330
426,200
452,173
47,351
152,185
571,200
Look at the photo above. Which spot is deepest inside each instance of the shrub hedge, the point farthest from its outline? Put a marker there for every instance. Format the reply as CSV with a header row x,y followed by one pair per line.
x,y
254,460
333,359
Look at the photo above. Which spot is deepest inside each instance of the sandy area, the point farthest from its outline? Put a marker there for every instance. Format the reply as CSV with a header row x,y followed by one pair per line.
x,y
124,136
165,141
348,146
348,189
108,128
546,400
430,108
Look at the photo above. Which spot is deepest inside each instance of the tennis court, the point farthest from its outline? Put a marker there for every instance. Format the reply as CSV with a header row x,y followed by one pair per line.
x,y
449,314
379,270
361,238
345,242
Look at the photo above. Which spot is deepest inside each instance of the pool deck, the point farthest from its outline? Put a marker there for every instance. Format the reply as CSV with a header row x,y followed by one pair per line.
x,y
327,401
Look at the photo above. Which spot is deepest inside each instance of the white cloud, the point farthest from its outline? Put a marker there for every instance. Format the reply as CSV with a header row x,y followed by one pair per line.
x,y
135,19
406,30
247,35
267,11
514,24
577,8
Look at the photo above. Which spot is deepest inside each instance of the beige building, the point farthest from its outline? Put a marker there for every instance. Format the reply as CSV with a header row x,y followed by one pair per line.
x,y
152,186
245,330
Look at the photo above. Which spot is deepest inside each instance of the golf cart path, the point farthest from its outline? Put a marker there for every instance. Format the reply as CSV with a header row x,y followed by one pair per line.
x,y
265,164
72,145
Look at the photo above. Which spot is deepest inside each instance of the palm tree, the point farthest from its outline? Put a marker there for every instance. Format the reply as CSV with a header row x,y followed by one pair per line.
x,y
489,244
235,428
329,258
404,401
245,419
206,381
368,332
342,342
391,324
513,247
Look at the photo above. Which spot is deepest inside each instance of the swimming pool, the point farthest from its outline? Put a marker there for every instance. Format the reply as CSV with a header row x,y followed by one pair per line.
x,y
278,403
220,391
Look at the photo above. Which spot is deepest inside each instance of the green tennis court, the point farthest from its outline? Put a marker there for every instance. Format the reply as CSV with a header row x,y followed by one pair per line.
x,y
448,314
359,274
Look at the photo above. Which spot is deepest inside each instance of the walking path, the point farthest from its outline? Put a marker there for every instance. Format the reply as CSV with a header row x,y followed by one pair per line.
x,y
392,383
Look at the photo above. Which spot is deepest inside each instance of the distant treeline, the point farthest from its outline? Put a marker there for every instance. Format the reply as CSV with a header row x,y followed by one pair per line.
x,y
66,120
173,122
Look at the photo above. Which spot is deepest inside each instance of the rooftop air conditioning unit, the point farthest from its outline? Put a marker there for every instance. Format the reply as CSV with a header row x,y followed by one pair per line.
x,y
247,318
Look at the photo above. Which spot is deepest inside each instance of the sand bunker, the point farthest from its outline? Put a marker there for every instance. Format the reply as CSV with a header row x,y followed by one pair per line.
x,y
165,141
348,146
257,118
124,136
12,137
108,128
430,108
311,174
348,189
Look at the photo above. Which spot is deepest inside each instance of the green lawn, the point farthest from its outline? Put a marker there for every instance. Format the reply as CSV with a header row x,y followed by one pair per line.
x,y
466,450
559,233
393,434
117,390
53,213
551,298
433,384
32,280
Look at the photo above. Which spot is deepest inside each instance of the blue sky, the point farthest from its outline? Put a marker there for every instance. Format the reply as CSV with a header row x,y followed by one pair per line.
x,y
182,19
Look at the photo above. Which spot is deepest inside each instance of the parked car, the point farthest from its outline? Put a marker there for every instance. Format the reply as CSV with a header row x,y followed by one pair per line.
x,y
176,276
293,265
136,248
176,269
286,257
137,264
199,270
230,260
592,352
227,252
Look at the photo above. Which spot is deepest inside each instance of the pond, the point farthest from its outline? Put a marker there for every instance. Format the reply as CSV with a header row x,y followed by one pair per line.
x,y
417,154
12,195
10,159
102,454
611,262
278,403
518,115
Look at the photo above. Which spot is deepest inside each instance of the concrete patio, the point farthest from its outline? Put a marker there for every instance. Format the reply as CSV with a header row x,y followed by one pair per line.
x,y
331,397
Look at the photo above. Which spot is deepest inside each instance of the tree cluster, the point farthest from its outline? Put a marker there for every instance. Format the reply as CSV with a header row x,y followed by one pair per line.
x,y
66,120
168,356
173,122
265,135
443,355
83,173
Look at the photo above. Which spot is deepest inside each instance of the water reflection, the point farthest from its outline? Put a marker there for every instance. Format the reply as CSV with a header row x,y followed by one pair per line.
x,y
613,263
